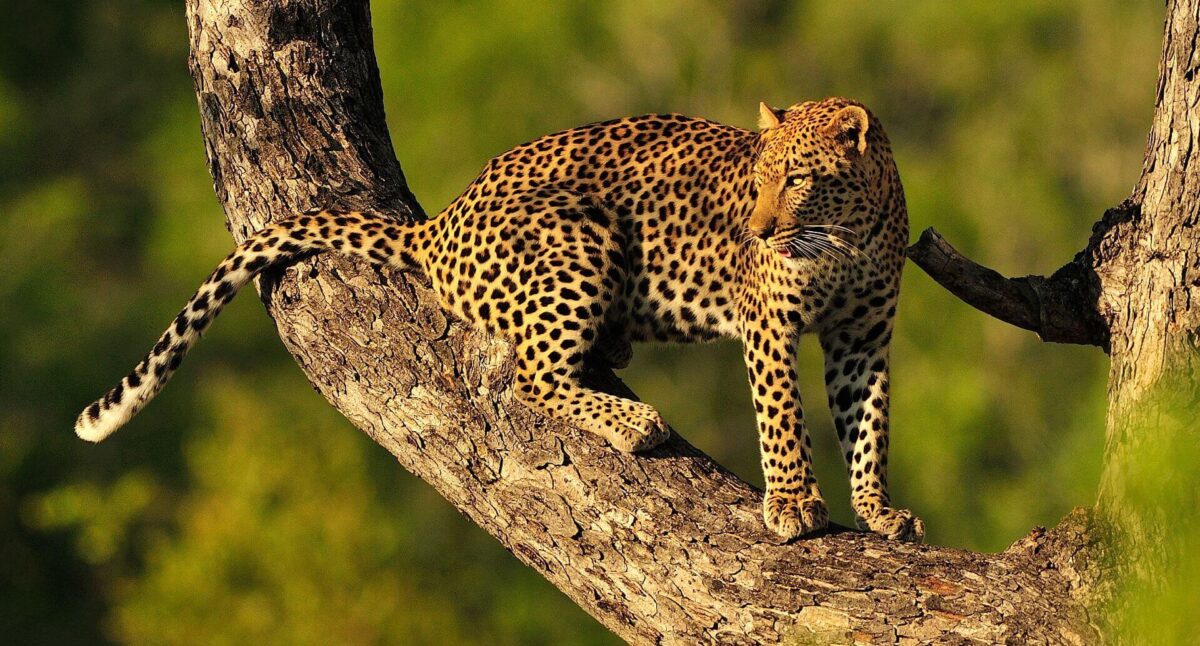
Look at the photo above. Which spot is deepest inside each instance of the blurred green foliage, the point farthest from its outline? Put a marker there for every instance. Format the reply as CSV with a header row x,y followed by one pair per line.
x,y
240,508
1152,498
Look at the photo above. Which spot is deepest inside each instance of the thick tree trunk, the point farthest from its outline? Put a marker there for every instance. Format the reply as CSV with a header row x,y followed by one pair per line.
x,y
1146,256
662,547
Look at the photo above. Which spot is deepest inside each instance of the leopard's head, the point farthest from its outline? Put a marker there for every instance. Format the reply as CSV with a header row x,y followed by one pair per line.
x,y
813,176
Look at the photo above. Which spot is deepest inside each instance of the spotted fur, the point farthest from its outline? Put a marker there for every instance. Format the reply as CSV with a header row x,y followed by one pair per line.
x,y
651,228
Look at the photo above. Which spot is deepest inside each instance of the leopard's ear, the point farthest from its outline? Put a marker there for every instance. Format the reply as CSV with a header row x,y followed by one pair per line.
x,y
768,117
848,129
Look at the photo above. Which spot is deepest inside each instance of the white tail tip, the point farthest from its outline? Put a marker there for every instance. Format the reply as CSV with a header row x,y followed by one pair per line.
x,y
94,429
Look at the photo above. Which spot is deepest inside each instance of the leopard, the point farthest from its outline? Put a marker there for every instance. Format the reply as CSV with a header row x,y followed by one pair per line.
x,y
653,228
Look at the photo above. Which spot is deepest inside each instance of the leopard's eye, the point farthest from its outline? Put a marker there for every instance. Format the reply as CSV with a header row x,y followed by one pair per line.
x,y
799,179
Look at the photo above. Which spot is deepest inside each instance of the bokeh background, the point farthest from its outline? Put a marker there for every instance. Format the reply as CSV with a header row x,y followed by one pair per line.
x,y
241,508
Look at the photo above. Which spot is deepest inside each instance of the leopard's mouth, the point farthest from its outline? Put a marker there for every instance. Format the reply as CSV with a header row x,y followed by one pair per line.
x,y
813,242
786,243
789,244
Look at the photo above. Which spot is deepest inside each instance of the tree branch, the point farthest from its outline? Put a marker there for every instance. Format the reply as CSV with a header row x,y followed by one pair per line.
x,y
1061,309
667,546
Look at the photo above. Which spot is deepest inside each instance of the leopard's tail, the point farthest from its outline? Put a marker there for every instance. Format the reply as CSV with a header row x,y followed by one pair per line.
x,y
380,240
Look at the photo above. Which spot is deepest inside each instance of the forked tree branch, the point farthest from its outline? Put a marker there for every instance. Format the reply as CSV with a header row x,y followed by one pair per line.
x,y
664,547
1061,308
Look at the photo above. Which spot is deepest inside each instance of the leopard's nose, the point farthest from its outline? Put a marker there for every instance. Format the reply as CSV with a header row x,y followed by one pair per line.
x,y
764,232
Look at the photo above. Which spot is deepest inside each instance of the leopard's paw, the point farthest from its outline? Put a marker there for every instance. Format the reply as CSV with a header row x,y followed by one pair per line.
x,y
642,430
894,524
791,515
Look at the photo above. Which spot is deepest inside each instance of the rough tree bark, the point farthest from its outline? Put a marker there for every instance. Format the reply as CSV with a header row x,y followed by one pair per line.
x,y
669,546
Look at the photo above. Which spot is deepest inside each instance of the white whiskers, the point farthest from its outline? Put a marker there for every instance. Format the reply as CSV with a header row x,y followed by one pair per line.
x,y
814,241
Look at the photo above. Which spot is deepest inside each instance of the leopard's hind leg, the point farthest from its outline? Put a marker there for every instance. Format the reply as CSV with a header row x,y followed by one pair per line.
x,y
556,391
567,310
565,257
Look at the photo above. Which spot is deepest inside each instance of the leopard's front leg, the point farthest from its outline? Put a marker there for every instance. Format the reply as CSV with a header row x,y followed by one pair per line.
x,y
792,505
857,381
